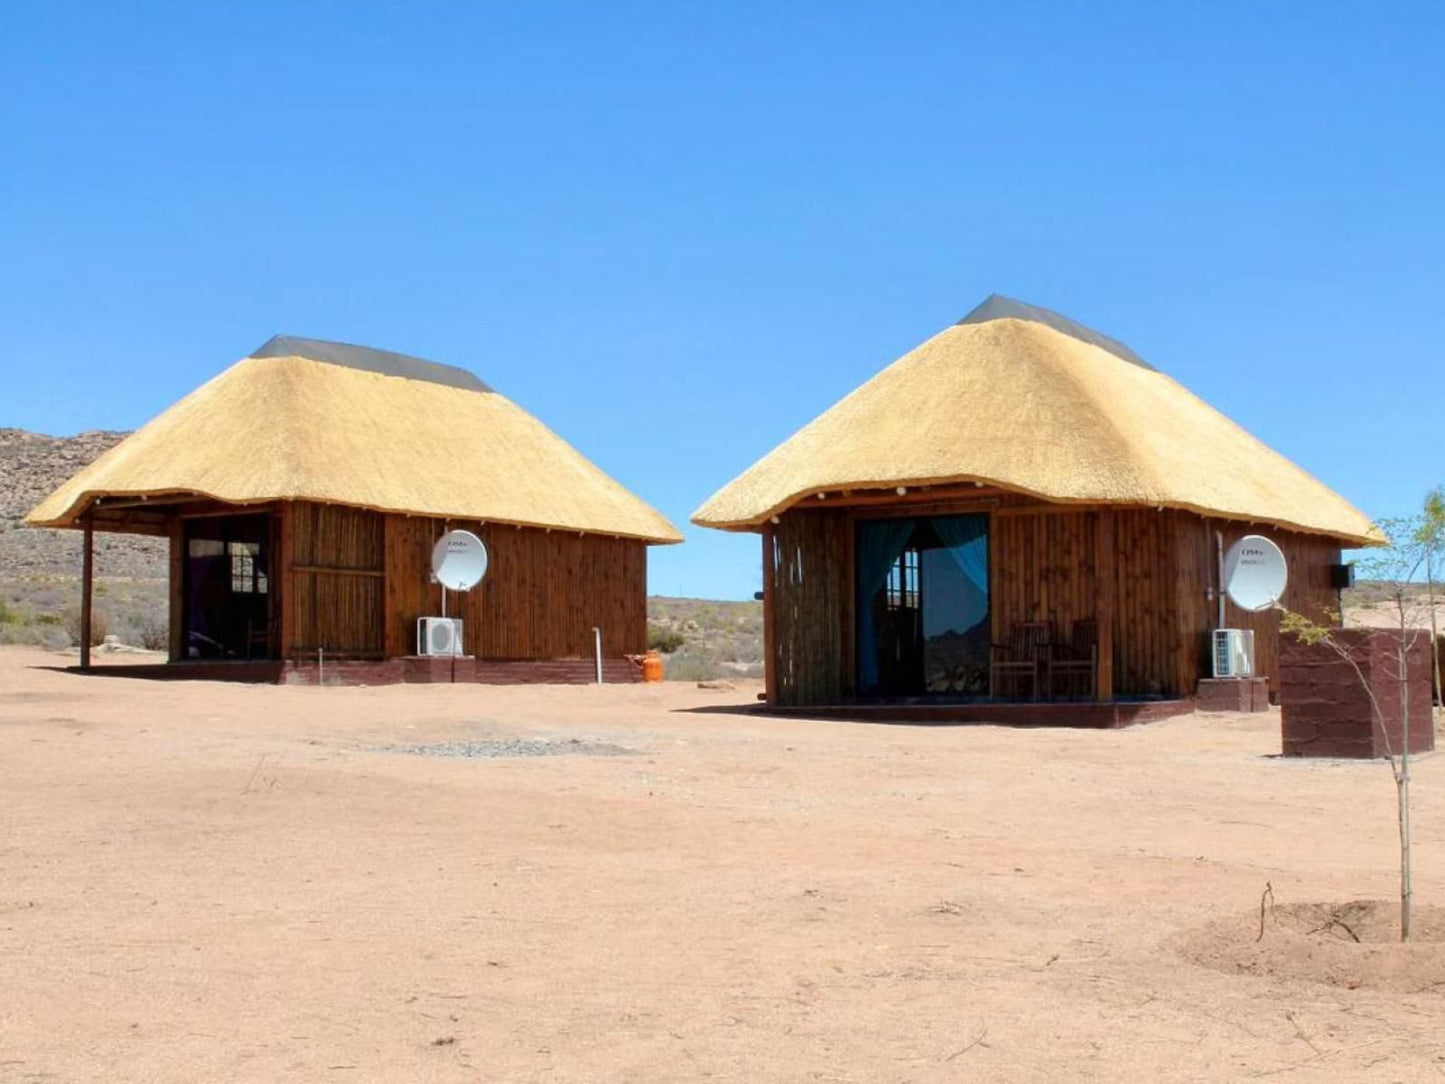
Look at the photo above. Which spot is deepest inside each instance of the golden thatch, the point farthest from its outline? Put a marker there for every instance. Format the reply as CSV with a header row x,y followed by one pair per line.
x,y
308,420
1023,399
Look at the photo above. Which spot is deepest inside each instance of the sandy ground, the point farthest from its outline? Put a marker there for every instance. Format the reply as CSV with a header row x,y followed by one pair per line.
x,y
201,882
1385,616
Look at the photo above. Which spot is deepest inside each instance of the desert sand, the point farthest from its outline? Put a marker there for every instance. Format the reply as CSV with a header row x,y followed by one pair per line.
x,y
206,882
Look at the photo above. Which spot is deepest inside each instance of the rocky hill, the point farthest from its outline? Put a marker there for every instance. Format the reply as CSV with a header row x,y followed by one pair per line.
x,y
31,466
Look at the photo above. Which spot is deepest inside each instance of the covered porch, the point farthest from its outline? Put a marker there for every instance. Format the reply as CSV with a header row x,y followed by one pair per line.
x,y
224,587
956,600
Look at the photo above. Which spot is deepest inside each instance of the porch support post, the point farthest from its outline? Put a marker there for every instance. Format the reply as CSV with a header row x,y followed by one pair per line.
x,y
1105,588
283,578
770,617
87,579
176,638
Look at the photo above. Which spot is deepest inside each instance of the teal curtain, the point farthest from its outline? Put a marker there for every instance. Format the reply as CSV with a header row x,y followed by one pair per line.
x,y
880,542
966,540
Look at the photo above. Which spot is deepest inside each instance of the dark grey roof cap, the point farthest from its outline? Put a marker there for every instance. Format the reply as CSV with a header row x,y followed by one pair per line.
x,y
998,307
373,361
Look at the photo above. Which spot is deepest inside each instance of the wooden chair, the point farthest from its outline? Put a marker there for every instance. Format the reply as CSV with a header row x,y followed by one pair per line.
x,y
258,640
1081,660
1025,656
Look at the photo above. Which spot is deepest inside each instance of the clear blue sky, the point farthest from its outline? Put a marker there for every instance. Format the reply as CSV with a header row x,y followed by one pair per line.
x,y
677,232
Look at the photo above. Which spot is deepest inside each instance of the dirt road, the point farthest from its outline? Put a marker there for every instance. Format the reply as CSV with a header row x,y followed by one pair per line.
x,y
203,882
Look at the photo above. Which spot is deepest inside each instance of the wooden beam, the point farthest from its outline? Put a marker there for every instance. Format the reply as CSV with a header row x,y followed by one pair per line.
x,y
211,509
848,591
177,627
331,570
975,506
283,581
1045,509
1104,593
890,497
156,524
275,599
770,619
87,584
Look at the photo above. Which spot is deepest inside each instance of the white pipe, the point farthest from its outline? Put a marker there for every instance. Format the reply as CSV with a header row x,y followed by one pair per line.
x,y
1219,548
597,643
320,667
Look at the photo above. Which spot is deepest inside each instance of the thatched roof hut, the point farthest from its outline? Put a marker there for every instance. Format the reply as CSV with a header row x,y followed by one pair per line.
x,y
1010,500
303,419
1019,397
303,490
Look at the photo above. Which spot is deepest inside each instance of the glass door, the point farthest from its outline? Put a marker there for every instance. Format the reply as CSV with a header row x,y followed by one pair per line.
x,y
922,607
226,592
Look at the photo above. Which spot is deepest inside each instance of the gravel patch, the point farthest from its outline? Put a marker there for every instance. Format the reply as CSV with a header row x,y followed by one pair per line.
x,y
514,747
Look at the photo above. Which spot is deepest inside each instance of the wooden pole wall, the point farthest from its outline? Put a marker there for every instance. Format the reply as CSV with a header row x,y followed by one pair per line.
x,y
177,585
1104,588
543,593
770,630
1142,573
87,584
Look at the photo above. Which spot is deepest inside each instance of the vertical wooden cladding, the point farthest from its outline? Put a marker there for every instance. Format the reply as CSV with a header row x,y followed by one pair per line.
x,y
1147,638
543,593
177,627
1042,569
1164,567
334,558
1047,566
1308,558
812,585
1145,573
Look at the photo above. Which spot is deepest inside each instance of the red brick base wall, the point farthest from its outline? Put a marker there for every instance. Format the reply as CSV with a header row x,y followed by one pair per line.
x,y
1325,710
1232,694
556,672
413,668
421,669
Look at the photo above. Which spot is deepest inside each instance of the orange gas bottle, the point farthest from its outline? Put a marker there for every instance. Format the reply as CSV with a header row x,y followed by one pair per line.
x,y
652,666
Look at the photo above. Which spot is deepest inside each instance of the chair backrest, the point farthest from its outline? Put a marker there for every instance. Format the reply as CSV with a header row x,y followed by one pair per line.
x,y
1084,638
1031,640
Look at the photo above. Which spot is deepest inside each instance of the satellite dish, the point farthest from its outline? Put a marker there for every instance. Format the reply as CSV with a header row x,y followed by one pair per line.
x,y
459,560
1254,573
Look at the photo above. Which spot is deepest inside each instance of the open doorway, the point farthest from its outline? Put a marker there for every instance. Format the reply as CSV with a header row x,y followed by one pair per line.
x,y
922,607
227,596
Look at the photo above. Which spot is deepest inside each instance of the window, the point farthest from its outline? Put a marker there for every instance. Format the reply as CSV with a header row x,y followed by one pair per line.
x,y
900,591
246,577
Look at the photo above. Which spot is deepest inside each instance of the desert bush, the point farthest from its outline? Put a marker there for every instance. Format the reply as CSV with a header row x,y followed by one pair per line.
x,y
14,632
664,639
99,625
690,665
154,632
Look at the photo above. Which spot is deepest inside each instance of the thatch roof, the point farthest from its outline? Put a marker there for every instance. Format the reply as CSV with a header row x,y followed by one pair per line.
x,y
1022,398
302,419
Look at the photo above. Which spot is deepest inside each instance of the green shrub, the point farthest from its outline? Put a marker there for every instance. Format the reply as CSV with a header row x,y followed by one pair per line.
x,y
663,639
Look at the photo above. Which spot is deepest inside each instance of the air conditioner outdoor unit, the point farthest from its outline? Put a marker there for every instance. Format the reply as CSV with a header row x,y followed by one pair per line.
x,y
1233,653
438,635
